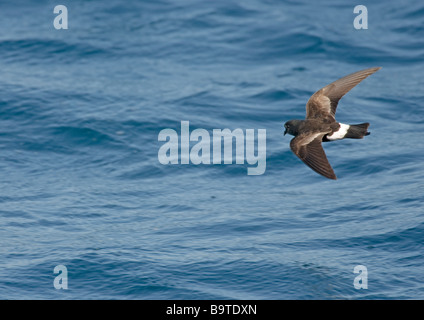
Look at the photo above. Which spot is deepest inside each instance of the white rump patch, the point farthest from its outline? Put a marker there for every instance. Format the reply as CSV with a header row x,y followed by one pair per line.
x,y
339,134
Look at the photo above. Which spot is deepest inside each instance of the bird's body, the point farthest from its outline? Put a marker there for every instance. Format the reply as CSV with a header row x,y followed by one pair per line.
x,y
320,124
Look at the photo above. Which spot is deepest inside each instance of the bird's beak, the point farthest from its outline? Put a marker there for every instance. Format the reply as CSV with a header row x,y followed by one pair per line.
x,y
285,131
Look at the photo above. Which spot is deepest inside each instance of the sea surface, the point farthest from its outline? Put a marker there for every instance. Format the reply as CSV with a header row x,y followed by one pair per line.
x,y
81,184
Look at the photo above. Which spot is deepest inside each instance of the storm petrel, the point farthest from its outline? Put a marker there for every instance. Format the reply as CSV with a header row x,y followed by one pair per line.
x,y
321,125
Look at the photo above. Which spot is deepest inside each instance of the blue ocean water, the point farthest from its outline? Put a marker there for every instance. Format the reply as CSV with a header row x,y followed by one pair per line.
x,y
81,184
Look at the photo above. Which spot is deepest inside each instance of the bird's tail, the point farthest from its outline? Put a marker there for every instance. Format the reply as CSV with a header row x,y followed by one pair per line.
x,y
357,131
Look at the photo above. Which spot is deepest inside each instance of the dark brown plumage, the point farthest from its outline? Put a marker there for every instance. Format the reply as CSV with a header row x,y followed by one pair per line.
x,y
321,125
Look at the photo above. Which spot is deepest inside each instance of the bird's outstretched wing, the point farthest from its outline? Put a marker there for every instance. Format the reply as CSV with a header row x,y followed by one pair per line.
x,y
309,149
323,103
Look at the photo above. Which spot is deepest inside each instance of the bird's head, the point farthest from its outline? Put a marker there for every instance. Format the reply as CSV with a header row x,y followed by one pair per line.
x,y
291,127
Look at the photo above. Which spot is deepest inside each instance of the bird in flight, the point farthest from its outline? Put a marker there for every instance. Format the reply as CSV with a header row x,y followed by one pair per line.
x,y
320,124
